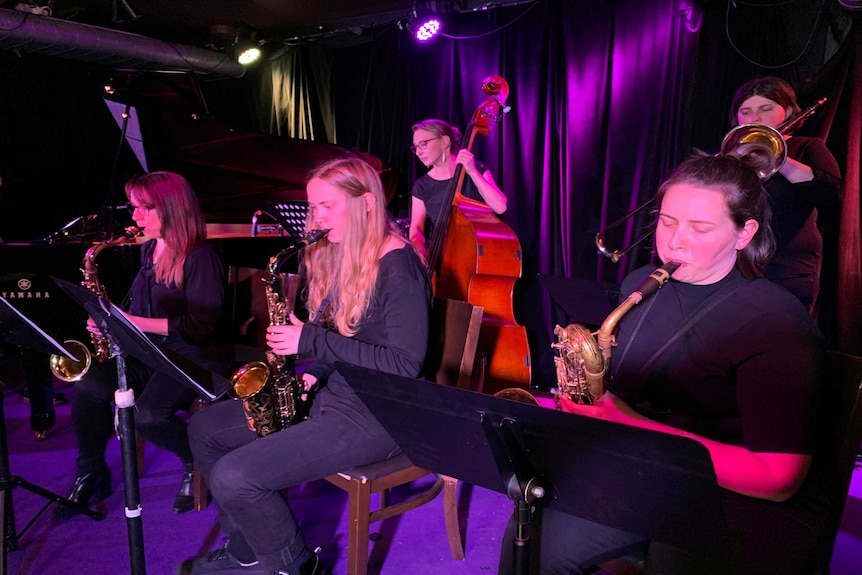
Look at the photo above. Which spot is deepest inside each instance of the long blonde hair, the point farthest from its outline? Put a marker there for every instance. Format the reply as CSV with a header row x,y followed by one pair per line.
x,y
183,224
347,271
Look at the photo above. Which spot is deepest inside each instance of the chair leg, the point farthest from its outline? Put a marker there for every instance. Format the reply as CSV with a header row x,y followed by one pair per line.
x,y
200,491
450,513
357,536
199,488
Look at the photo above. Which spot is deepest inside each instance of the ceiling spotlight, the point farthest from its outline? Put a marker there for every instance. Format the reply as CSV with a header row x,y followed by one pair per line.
x,y
424,24
238,40
247,52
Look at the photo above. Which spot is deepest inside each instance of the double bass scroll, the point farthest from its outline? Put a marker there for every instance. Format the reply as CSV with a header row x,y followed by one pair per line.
x,y
476,258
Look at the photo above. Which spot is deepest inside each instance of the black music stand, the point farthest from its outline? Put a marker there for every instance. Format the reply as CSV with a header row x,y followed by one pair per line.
x,y
134,342
290,215
659,485
16,329
127,339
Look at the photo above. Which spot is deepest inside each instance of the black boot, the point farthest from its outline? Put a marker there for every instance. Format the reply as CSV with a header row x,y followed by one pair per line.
x,y
94,486
307,564
185,499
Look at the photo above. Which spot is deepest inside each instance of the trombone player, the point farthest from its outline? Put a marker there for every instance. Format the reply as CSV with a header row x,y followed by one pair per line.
x,y
805,187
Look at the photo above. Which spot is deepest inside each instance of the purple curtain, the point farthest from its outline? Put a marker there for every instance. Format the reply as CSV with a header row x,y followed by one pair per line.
x,y
606,97
596,93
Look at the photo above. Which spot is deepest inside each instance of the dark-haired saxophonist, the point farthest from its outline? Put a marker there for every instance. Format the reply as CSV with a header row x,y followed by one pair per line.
x,y
368,297
176,299
724,357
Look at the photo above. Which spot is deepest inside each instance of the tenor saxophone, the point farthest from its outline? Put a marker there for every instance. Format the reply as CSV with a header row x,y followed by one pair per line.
x,y
64,368
270,391
582,361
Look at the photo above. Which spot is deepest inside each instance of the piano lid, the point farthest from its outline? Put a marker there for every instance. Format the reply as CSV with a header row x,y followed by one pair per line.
x,y
232,170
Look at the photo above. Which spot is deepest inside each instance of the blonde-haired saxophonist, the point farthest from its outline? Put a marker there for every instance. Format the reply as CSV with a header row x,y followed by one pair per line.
x,y
722,356
368,296
176,298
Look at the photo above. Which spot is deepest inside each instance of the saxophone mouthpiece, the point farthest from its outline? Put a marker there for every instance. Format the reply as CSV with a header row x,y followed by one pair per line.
x,y
670,267
131,233
656,279
312,237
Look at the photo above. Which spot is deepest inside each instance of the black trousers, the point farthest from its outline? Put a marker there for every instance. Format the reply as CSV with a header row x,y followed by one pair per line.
x,y
40,390
247,475
158,398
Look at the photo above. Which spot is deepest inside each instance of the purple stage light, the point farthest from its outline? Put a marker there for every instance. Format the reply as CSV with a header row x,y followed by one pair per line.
x,y
427,29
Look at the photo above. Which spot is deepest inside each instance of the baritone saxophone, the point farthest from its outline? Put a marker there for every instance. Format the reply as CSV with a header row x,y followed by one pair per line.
x,y
583,361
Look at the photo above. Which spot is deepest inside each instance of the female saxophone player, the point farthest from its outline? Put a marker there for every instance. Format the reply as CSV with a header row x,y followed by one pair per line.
x,y
368,297
719,355
176,299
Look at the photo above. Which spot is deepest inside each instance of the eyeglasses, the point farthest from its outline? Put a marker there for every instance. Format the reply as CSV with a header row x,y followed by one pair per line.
x,y
133,208
422,144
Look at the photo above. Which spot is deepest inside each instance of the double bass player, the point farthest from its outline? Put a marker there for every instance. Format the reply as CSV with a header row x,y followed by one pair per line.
x,y
437,145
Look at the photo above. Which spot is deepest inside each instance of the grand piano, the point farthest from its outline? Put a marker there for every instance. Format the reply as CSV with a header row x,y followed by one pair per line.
x,y
237,174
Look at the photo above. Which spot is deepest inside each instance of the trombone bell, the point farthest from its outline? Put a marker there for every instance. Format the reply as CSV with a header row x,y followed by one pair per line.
x,y
764,143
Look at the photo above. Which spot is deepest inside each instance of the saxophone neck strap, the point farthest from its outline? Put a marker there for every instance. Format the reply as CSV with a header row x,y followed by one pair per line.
x,y
719,296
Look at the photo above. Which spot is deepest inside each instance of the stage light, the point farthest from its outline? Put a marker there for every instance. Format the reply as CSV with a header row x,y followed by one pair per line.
x,y
423,24
247,52
237,40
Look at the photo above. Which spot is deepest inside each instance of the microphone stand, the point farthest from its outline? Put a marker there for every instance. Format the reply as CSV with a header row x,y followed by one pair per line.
x,y
106,216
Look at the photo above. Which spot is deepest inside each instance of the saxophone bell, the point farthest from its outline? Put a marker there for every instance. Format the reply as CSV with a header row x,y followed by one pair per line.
x,y
582,360
70,369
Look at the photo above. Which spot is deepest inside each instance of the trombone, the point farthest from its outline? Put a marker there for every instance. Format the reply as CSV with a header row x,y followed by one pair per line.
x,y
767,144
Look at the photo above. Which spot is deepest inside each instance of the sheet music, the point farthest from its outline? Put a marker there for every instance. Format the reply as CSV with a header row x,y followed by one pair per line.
x,y
118,326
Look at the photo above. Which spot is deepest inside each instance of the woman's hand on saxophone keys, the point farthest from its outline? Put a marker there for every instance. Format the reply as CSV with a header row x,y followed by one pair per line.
x,y
284,339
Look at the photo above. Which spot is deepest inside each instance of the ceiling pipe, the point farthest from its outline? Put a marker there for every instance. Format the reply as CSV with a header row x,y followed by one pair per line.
x,y
35,34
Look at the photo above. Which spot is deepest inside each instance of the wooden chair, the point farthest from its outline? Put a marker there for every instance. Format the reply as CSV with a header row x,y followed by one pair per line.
x,y
454,334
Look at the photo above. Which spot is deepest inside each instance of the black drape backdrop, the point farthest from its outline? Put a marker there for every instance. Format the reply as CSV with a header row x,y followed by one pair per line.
x,y
605,98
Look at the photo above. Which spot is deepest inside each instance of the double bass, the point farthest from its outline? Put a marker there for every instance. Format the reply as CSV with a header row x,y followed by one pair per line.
x,y
476,258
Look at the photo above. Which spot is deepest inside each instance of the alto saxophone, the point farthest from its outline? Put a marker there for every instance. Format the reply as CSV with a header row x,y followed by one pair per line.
x,y
582,361
270,391
63,367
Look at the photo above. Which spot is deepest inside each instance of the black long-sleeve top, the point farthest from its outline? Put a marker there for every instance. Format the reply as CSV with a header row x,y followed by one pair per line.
x,y
194,313
393,332
797,260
